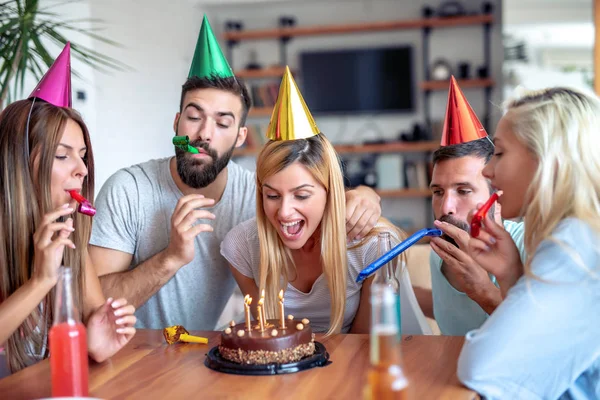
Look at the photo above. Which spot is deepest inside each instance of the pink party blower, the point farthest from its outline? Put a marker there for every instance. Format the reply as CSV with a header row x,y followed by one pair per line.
x,y
85,207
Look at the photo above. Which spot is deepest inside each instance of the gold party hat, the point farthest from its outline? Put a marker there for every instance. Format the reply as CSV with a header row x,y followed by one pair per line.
x,y
291,118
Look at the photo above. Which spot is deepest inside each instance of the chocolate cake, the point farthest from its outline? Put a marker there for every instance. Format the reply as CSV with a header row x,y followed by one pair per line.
x,y
272,345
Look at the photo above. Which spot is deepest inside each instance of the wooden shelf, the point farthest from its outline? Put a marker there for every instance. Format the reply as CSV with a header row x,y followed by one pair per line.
x,y
396,147
358,27
426,85
245,152
271,72
463,83
404,193
260,112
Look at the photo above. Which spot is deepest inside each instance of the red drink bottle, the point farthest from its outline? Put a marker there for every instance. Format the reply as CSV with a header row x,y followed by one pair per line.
x,y
68,343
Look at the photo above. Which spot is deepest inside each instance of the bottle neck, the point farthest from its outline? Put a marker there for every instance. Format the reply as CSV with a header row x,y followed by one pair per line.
x,y
65,309
384,316
386,274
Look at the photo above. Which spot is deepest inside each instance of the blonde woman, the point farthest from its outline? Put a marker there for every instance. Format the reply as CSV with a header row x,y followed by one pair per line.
x,y
298,243
543,341
45,151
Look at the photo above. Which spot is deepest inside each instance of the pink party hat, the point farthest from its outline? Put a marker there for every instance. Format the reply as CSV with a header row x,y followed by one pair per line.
x,y
55,86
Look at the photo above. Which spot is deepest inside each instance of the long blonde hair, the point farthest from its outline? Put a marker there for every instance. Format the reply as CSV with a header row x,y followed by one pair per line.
x,y
276,262
24,199
561,129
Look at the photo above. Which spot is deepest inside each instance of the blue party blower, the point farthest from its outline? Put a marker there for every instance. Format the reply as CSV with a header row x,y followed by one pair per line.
x,y
389,256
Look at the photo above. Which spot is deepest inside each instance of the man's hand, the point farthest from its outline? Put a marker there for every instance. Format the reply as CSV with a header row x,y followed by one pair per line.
x,y
363,210
180,250
461,271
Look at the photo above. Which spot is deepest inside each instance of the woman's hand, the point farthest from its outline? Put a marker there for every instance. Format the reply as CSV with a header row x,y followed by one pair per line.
x,y
49,241
110,328
495,251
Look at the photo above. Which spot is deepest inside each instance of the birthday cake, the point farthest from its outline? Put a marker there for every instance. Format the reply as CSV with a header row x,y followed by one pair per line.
x,y
269,344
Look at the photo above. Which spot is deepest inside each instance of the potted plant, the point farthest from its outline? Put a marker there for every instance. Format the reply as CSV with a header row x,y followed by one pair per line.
x,y
25,28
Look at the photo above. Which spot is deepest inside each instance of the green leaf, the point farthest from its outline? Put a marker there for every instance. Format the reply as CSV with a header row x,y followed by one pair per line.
x,y
24,30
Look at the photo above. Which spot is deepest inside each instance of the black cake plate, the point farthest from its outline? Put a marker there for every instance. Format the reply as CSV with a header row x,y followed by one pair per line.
x,y
216,362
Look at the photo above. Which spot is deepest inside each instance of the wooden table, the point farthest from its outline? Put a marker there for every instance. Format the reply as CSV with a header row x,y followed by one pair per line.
x,y
149,368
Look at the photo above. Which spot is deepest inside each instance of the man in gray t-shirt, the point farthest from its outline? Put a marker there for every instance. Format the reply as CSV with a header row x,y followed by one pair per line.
x,y
134,217
152,238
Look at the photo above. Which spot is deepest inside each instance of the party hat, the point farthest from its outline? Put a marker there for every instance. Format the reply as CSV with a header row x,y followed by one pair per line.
x,y
208,58
460,124
55,86
291,118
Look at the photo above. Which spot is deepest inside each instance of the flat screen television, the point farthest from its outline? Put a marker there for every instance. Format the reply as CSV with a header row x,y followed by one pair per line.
x,y
366,80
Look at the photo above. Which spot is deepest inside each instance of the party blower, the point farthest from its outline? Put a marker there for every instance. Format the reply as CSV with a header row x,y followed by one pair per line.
x,y
183,143
85,207
178,333
387,257
479,215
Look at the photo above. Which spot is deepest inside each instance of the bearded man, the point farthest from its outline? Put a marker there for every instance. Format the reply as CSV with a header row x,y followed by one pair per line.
x,y
463,294
159,225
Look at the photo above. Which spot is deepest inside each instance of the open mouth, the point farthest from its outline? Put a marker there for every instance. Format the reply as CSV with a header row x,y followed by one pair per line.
x,y
292,230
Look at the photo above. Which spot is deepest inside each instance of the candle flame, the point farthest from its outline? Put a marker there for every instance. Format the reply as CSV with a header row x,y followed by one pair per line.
x,y
281,294
262,293
249,300
260,302
246,297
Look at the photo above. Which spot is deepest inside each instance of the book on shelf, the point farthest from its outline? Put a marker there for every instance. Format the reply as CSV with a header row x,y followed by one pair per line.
x,y
416,174
264,94
256,137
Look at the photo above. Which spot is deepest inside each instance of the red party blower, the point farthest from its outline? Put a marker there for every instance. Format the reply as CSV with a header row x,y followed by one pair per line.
x,y
478,217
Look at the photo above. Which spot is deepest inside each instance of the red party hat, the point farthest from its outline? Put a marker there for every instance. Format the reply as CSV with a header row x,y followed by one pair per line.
x,y
461,125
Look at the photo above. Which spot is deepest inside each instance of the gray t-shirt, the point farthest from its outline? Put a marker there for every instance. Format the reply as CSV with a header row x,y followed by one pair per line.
x,y
134,209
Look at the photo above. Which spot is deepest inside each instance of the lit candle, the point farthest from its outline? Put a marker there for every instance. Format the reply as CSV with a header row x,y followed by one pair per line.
x,y
281,312
260,315
247,302
264,314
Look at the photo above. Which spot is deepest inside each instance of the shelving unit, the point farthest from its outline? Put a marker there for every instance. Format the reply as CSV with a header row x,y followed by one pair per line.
x,y
428,86
281,33
284,34
404,193
260,112
271,72
463,83
396,147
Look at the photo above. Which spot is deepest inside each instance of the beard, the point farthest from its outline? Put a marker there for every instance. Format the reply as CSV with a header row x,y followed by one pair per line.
x,y
456,222
198,173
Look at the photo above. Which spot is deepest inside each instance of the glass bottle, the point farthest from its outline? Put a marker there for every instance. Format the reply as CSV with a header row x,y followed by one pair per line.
x,y
385,380
386,275
68,342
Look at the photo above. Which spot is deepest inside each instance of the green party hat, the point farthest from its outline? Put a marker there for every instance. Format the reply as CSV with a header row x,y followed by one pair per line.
x,y
208,58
